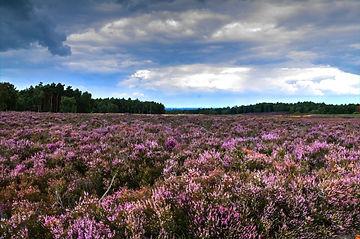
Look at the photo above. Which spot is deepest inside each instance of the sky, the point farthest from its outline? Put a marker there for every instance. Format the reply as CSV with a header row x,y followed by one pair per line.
x,y
186,53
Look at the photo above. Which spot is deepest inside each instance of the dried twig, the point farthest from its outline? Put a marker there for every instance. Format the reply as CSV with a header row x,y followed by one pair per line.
x,y
108,189
59,201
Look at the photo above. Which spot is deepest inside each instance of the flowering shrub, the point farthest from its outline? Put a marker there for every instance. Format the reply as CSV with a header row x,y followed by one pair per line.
x,y
137,176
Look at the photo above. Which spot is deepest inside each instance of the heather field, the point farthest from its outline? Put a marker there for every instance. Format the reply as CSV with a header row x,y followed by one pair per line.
x,y
177,176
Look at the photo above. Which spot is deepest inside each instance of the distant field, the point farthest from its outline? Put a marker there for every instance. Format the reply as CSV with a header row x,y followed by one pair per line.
x,y
171,176
338,115
323,115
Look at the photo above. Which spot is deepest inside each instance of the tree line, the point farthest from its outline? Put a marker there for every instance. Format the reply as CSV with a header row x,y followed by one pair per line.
x,y
56,98
291,108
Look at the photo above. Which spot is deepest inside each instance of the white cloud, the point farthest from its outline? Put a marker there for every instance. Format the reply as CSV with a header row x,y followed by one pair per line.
x,y
256,32
319,80
104,64
200,25
185,77
100,59
355,46
302,56
160,26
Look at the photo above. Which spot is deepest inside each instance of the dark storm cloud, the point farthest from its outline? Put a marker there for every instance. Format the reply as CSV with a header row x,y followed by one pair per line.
x,y
21,26
187,31
137,4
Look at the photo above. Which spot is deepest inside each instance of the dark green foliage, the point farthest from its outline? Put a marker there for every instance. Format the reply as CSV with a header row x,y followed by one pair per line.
x,y
37,230
291,108
103,106
181,224
7,96
84,104
55,98
68,104
113,105
152,227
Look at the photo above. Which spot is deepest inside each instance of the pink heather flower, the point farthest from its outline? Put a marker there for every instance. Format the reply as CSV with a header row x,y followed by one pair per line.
x,y
299,151
209,155
151,144
317,147
139,148
270,136
117,161
170,143
229,144
55,225
161,194
18,170
239,129
52,147
88,228
171,166
70,155
14,158
226,160
260,196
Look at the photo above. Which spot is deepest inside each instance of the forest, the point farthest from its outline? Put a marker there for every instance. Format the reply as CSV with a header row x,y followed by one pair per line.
x,y
290,108
56,98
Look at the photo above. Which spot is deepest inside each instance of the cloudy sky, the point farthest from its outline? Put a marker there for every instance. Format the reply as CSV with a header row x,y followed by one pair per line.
x,y
186,53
